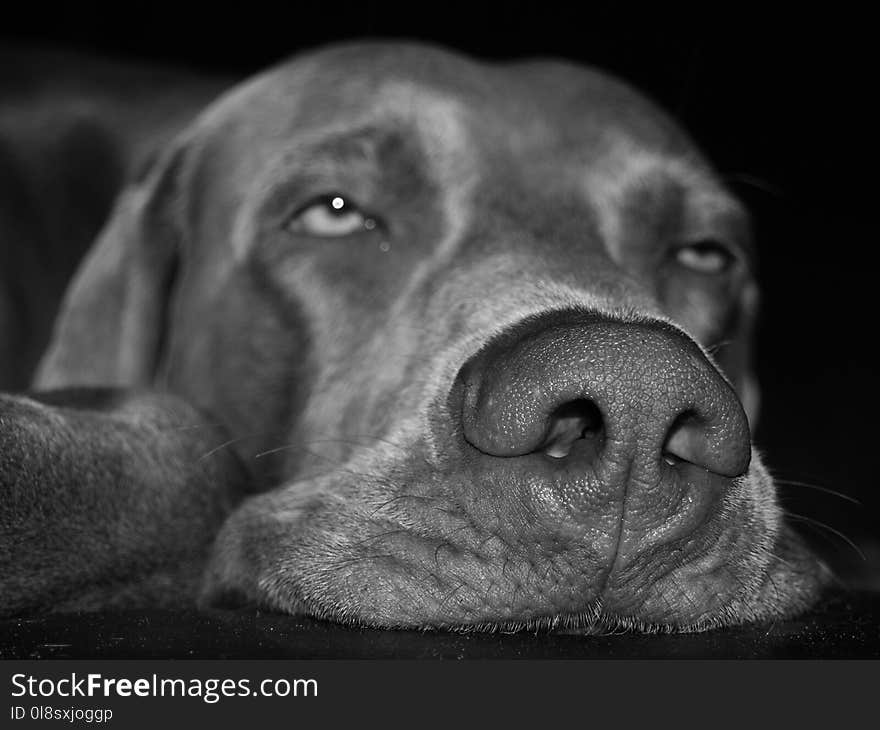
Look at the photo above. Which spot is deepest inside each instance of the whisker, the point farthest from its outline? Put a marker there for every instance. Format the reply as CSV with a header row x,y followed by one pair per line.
x,y
449,595
717,346
286,447
817,523
807,485
782,560
376,438
377,536
765,186
237,439
402,497
349,561
776,592
221,446
355,440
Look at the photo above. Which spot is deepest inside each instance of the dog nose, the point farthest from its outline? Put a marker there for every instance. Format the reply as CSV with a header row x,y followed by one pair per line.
x,y
575,381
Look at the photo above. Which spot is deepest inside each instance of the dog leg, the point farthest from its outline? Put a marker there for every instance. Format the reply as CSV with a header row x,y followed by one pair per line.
x,y
108,498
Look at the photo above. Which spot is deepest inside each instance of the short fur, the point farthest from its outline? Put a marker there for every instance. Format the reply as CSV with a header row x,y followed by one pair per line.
x,y
319,372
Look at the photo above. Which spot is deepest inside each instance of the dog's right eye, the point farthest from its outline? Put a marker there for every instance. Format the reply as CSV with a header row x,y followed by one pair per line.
x,y
330,216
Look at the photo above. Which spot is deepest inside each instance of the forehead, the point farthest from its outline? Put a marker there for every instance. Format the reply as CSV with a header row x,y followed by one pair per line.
x,y
526,107
545,125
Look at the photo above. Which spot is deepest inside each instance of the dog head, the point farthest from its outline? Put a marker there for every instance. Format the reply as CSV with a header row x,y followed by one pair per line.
x,y
482,332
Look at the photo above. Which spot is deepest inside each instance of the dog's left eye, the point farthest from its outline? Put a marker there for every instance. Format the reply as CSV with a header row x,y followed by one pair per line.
x,y
330,216
705,257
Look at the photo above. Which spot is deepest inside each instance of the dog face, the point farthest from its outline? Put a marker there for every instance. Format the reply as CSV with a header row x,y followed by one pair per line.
x,y
481,332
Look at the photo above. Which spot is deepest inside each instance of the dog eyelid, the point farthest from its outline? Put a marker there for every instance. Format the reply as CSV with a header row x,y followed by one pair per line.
x,y
706,256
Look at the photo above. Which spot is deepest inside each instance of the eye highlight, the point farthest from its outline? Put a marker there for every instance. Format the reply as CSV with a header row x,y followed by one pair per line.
x,y
330,216
705,257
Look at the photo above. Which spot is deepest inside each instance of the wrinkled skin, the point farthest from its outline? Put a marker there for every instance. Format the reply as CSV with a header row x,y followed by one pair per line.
x,y
393,389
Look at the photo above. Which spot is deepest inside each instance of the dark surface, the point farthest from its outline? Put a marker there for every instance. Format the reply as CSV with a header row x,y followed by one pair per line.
x,y
843,627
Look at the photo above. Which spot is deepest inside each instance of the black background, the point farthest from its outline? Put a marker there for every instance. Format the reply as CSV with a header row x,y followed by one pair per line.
x,y
779,103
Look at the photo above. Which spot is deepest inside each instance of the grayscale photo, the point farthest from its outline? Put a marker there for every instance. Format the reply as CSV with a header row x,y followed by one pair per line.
x,y
384,337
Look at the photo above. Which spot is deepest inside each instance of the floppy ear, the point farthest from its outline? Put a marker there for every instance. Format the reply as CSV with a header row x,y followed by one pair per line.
x,y
110,324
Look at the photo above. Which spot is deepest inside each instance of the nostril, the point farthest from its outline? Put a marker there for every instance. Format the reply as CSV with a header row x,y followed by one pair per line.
x,y
570,422
719,444
686,441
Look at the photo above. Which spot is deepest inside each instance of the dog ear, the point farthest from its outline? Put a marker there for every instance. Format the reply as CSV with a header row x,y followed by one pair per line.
x,y
109,328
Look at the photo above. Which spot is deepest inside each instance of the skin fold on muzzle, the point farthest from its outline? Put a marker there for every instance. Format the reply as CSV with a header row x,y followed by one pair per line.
x,y
457,321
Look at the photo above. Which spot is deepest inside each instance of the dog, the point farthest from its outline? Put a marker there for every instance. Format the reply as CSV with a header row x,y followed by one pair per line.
x,y
393,337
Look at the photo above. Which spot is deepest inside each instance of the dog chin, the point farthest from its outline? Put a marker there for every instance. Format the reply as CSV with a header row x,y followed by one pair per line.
x,y
317,553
